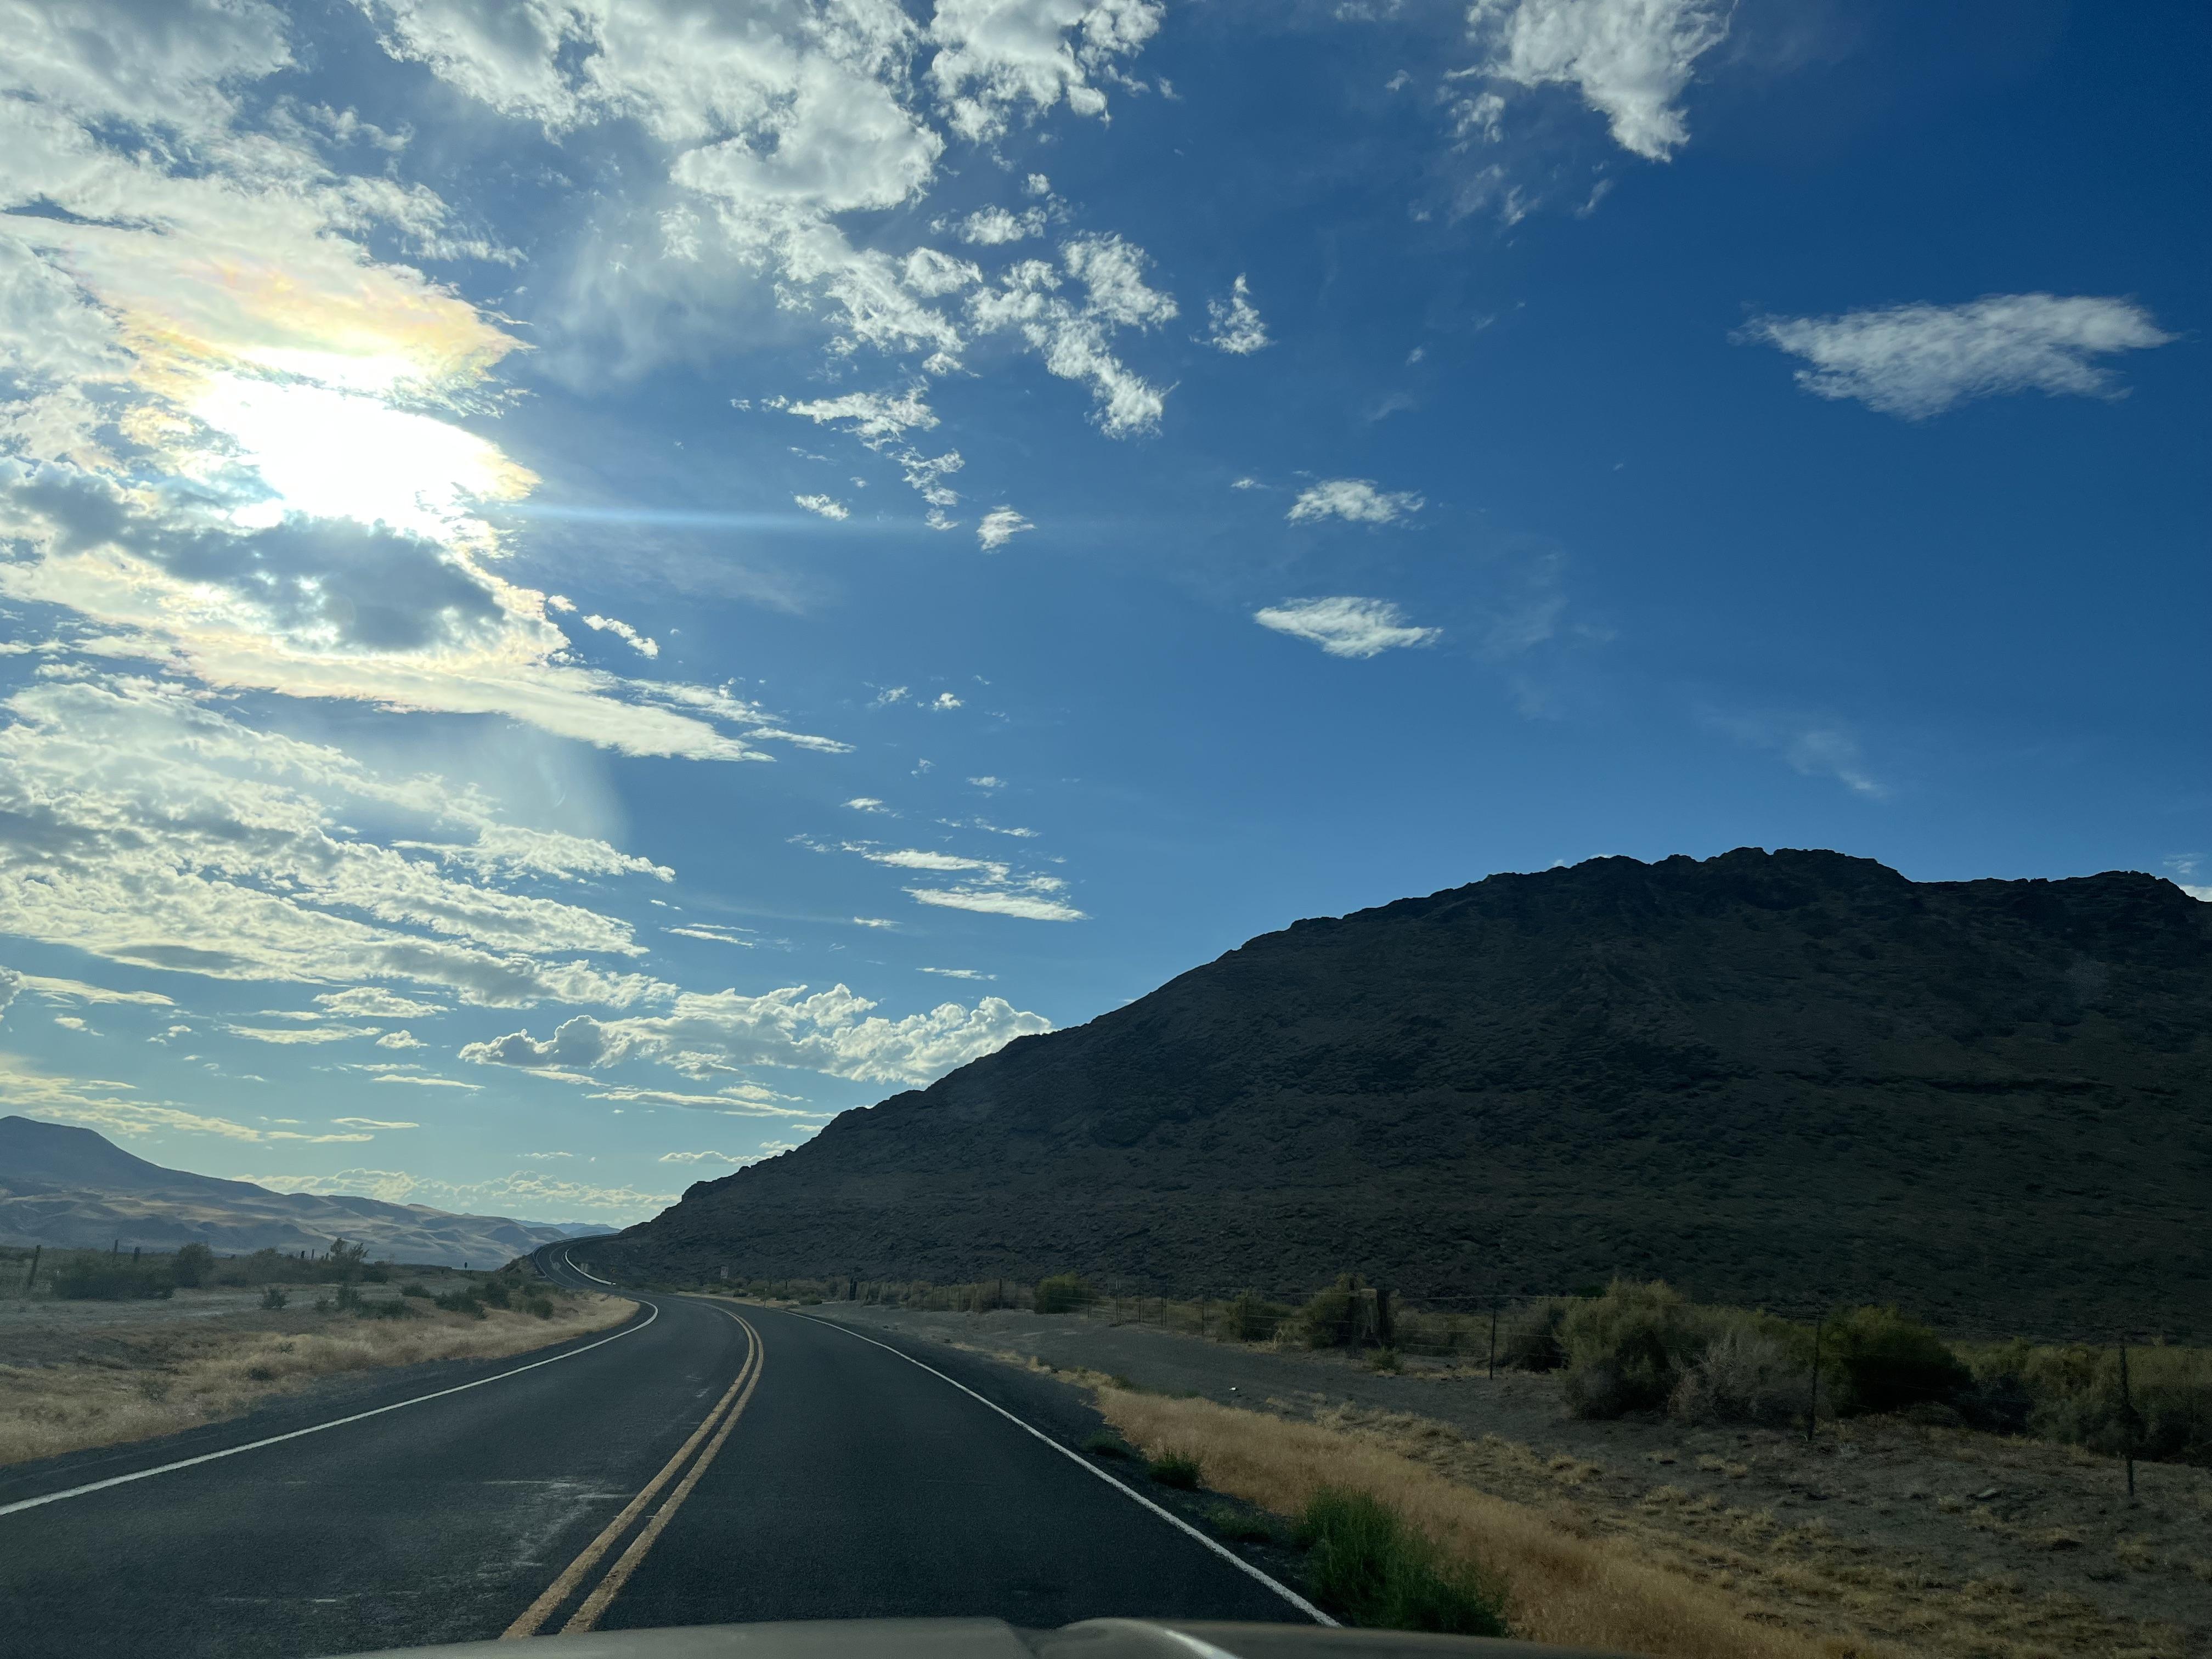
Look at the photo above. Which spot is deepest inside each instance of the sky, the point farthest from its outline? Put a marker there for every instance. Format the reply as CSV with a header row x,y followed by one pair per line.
x,y
586,584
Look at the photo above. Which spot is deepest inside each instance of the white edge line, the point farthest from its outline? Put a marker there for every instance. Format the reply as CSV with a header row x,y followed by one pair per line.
x,y
22,1504
1090,1467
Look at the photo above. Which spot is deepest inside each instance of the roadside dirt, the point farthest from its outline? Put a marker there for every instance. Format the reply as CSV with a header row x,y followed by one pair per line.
x,y
1887,1521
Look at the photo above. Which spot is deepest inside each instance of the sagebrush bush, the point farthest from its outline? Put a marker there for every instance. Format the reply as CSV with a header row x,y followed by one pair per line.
x,y
1879,1360
1628,1350
104,1279
193,1265
1251,1318
2166,1415
1742,1377
1326,1321
273,1299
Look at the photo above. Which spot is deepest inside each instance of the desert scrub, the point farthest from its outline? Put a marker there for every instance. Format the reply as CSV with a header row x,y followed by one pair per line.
x,y
1365,1565
1062,1293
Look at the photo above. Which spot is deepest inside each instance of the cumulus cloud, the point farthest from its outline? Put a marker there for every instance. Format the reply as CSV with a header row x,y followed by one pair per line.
x,y
1354,499
1236,328
1915,361
1074,337
833,1031
1001,525
996,58
375,1002
994,227
1629,59
1344,626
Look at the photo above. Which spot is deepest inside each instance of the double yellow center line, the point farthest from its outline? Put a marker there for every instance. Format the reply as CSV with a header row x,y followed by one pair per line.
x,y
711,1432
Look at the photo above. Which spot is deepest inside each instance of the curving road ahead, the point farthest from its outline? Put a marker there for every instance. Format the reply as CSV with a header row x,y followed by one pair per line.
x,y
704,1463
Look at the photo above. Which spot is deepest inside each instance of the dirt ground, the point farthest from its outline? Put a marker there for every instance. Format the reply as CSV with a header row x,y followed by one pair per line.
x,y
2040,1541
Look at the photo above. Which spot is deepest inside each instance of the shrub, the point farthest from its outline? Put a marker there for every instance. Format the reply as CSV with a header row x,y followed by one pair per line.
x,y
1626,1350
193,1265
1329,1320
540,1305
1175,1469
273,1299
2078,1400
1881,1361
461,1301
377,1272
1105,1445
1251,1319
349,1297
1369,1567
383,1308
414,1287
1742,1377
110,1279
493,1289
1241,1526
1062,1293
1529,1341
1383,1359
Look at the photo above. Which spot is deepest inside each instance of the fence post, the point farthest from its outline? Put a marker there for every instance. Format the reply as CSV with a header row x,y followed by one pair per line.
x,y
1812,1401
30,1278
2128,1420
1494,1339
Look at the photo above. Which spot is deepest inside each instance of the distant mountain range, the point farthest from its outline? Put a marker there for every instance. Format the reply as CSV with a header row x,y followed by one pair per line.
x,y
65,1185
1791,1078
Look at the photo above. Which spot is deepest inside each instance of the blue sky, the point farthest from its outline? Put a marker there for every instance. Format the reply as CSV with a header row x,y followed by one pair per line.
x,y
588,583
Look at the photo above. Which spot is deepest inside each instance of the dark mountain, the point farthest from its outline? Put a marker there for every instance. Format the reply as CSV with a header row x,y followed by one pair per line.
x,y
60,1185
1786,1078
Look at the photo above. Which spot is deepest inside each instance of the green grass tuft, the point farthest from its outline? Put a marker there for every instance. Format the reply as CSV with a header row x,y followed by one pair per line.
x,y
1175,1469
1105,1445
1367,1567
1243,1527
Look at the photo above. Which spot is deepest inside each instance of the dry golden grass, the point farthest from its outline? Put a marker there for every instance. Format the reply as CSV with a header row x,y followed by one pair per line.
x,y
1644,1571
190,1377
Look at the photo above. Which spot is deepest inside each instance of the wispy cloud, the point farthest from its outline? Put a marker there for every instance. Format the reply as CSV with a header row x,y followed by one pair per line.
x,y
1344,626
998,526
1915,361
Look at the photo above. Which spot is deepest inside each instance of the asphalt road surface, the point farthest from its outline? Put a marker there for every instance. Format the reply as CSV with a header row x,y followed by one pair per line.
x,y
705,1464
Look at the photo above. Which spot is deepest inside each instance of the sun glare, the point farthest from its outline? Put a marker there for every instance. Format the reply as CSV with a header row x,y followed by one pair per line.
x,y
329,453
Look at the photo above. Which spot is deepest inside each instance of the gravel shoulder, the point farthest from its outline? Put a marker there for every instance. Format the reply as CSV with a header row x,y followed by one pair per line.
x,y
1956,1511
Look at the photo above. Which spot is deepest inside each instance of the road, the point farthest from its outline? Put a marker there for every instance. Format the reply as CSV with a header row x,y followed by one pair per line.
x,y
704,1463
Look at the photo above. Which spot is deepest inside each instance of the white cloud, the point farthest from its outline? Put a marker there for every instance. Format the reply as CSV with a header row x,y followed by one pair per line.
x,y
521,1193
828,506
75,990
1236,328
1001,525
399,1040
1344,626
425,1080
914,858
959,973
140,824
375,1002
993,226
1073,338
292,1035
71,1023
874,921
992,901
989,782
737,1158
997,55
707,931
1629,59
1354,499
622,630
944,701
1915,361
866,804
833,1032
1816,747
374,1123
868,415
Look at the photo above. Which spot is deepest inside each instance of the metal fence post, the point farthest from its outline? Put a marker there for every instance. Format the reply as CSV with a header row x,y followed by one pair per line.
x,y
1813,1402
1494,1339
2128,1420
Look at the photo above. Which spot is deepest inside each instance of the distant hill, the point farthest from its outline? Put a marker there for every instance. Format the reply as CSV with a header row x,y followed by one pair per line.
x,y
65,1185
1789,1078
